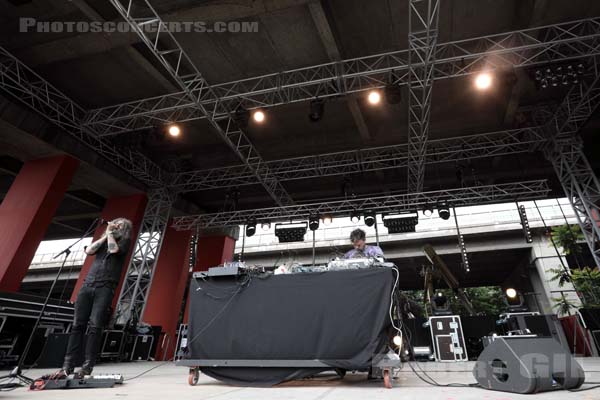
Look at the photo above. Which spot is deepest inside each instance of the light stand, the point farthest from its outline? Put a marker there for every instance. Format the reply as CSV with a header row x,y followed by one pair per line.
x,y
17,372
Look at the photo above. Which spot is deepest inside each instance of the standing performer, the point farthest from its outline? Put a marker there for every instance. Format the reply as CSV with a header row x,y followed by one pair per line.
x,y
361,248
95,297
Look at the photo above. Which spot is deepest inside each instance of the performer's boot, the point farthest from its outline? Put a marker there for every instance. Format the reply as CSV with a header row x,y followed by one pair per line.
x,y
86,369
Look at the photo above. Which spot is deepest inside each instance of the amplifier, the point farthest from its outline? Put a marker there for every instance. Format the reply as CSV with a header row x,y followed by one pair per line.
x,y
447,338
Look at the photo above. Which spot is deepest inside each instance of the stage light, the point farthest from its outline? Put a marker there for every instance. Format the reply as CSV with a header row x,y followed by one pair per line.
x,y
514,300
483,81
393,94
313,222
317,109
369,218
444,210
327,219
525,224
440,304
397,340
250,228
374,97
511,293
258,116
265,226
428,210
174,130
355,217
401,223
293,232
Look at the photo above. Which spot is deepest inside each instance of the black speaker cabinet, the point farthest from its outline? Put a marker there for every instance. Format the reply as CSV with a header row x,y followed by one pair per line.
x,y
527,365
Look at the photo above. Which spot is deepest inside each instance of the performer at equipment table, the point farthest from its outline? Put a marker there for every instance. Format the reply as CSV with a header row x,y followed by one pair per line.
x,y
361,249
96,295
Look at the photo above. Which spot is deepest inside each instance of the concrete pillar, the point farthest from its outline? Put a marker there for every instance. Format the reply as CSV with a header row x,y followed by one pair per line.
x,y
543,259
26,213
215,246
165,296
130,207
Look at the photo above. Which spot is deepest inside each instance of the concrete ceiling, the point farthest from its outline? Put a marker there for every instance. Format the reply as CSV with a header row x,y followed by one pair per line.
x,y
109,68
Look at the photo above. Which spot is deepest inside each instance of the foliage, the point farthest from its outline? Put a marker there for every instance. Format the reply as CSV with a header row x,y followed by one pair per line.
x,y
567,237
487,300
563,305
587,283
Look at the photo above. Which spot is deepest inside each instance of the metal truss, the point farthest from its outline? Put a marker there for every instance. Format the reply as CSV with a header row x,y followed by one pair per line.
x,y
138,278
574,172
423,16
488,194
370,159
35,92
154,32
539,45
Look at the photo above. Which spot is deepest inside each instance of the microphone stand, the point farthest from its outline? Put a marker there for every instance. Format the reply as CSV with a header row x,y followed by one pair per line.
x,y
17,372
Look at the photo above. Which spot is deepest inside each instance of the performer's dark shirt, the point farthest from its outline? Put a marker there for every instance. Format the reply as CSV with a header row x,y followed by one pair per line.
x,y
106,268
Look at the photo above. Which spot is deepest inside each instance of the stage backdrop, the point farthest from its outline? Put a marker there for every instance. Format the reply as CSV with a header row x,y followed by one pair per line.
x,y
338,317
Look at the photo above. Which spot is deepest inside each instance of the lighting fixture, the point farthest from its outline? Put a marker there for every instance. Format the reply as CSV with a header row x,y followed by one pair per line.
x,y
564,74
241,116
483,81
355,217
443,210
511,293
514,300
397,341
265,226
250,228
313,222
374,97
327,219
317,108
258,116
525,224
401,223
174,130
292,232
428,210
369,218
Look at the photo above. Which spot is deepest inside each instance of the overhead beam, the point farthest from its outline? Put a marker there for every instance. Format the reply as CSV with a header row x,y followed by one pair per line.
x,y
488,194
140,15
532,46
488,144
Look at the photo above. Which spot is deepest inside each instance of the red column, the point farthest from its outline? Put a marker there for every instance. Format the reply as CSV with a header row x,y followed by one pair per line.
x,y
211,251
26,213
168,286
130,207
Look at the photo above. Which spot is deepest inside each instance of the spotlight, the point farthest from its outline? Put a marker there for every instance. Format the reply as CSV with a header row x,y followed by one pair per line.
x,y
428,210
250,228
174,130
443,210
374,97
317,108
369,218
327,219
293,232
258,116
580,68
544,83
514,300
401,223
440,304
355,217
265,226
397,340
483,81
393,94
525,224
538,75
313,222
511,293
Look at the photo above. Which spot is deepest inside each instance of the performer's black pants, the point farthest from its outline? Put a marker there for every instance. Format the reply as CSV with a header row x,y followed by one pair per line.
x,y
92,307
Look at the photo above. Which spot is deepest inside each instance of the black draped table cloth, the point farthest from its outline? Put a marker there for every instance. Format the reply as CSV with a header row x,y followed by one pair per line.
x,y
335,319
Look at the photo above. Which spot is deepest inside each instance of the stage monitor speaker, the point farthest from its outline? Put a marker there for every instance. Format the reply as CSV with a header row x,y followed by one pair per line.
x,y
527,365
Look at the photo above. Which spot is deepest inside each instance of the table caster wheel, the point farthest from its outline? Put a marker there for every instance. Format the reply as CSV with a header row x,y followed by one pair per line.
x,y
387,379
194,376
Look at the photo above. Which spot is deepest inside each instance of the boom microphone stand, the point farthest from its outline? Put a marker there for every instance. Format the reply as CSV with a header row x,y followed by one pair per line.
x,y
17,372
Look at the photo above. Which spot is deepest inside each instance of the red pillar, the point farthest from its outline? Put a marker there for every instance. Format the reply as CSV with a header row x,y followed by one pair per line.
x,y
168,286
26,213
211,251
130,207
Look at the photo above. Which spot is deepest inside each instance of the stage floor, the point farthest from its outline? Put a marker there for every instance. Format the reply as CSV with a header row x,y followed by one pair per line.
x,y
170,382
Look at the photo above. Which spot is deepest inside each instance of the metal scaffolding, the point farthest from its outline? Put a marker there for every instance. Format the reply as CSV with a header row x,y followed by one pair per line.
x,y
370,159
140,271
423,16
527,190
533,46
565,152
161,42
35,92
